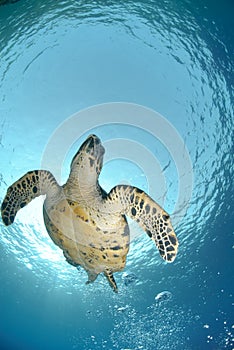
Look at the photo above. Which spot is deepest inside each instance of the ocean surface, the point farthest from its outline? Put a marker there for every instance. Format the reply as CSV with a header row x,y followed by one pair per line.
x,y
154,80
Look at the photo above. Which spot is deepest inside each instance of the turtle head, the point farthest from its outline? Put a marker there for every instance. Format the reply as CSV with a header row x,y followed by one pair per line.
x,y
88,161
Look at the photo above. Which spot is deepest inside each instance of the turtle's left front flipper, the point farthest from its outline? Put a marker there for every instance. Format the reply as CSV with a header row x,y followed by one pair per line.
x,y
28,187
136,204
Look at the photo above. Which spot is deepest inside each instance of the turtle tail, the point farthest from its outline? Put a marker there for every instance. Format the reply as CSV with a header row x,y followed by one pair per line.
x,y
20,193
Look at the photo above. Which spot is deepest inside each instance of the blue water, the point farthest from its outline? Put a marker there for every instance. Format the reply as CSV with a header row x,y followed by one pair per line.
x,y
153,79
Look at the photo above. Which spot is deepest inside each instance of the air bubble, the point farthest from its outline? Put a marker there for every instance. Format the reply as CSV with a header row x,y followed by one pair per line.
x,y
129,278
163,297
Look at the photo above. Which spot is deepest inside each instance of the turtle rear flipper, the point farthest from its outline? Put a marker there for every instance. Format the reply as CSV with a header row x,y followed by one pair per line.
x,y
28,187
91,277
111,280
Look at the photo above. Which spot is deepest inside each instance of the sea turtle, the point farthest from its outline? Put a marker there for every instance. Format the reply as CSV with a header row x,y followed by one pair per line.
x,y
88,224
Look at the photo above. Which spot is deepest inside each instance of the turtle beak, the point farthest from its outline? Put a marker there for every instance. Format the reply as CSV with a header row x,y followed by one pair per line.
x,y
92,140
93,146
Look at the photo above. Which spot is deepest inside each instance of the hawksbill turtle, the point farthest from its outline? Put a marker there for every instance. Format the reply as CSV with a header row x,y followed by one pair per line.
x,y
87,223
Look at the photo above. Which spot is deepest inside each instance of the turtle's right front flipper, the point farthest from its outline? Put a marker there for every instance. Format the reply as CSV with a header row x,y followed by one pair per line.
x,y
136,204
28,187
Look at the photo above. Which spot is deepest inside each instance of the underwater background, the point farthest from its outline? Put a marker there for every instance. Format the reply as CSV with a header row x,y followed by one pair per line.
x,y
64,65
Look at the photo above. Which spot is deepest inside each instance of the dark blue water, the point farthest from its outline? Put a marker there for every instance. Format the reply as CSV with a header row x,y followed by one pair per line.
x,y
154,80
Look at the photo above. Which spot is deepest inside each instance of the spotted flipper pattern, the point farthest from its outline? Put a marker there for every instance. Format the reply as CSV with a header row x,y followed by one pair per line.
x,y
28,187
155,221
